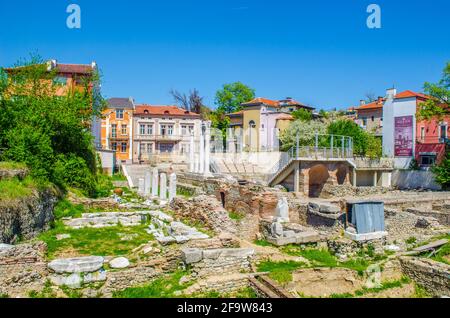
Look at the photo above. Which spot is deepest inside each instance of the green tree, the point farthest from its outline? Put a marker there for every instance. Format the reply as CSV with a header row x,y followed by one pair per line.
x,y
231,96
364,143
302,114
49,133
439,104
442,172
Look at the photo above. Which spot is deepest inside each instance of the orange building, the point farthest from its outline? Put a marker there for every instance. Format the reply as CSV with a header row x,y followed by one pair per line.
x,y
117,128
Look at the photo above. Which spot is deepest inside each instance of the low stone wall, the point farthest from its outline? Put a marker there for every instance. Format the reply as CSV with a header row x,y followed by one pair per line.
x,y
13,173
28,216
409,179
442,217
212,262
431,275
339,191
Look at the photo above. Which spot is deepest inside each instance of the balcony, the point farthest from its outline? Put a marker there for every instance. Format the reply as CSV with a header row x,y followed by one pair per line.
x,y
159,137
118,137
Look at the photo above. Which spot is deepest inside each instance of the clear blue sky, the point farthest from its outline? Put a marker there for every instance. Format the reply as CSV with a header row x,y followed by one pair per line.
x,y
319,52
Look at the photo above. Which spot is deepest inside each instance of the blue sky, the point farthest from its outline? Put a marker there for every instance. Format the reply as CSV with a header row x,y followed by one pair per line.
x,y
319,52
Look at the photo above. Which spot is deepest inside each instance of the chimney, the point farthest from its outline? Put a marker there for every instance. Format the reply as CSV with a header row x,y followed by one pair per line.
x,y
288,98
51,65
380,99
362,102
94,65
391,92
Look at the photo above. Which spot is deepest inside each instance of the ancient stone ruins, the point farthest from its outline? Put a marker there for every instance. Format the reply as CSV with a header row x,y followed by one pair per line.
x,y
204,231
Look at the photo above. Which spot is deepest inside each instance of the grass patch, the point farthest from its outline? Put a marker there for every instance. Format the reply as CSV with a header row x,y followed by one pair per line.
x,y
262,243
95,241
164,287
65,209
420,292
411,240
442,252
4,296
384,286
246,293
236,215
10,165
118,177
46,292
182,191
14,188
280,271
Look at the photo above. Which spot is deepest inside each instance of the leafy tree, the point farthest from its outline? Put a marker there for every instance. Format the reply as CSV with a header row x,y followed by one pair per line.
x,y
305,130
49,133
364,143
439,104
302,114
231,96
442,172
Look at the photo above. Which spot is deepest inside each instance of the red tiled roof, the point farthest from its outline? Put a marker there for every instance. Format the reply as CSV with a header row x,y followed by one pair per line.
x,y
374,105
408,93
74,68
236,113
262,101
162,110
285,117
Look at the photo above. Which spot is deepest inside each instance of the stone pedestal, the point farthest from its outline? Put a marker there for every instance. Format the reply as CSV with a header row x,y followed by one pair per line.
x,y
147,183
141,186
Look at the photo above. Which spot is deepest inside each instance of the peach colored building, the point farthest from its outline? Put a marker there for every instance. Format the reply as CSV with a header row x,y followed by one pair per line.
x,y
117,128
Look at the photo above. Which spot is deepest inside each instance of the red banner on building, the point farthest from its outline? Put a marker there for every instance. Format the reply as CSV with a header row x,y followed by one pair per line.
x,y
404,136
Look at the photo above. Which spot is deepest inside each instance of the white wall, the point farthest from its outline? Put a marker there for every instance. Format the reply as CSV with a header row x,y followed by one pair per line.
x,y
391,110
407,179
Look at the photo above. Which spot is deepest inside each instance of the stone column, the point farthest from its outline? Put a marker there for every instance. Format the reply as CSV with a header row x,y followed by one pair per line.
x,y
207,170
172,186
375,178
191,153
202,151
155,182
147,183
297,177
163,188
354,177
141,186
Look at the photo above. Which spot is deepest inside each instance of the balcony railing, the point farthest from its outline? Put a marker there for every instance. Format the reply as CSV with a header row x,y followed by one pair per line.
x,y
160,137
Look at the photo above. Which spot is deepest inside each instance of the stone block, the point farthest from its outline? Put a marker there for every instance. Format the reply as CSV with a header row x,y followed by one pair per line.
x,y
119,262
77,265
166,240
306,237
99,276
280,241
288,233
191,255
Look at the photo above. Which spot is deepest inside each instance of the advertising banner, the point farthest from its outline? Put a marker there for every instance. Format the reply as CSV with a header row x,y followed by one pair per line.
x,y
403,134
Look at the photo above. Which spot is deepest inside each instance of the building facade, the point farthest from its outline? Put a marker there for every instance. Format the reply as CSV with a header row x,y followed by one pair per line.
x,y
163,130
405,137
262,120
370,116
117,128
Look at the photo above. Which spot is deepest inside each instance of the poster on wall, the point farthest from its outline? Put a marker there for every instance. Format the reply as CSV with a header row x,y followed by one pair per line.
x,y
404,136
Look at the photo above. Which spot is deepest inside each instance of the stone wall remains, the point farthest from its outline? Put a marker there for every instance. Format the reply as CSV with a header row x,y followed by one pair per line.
x,y
431,275
28,216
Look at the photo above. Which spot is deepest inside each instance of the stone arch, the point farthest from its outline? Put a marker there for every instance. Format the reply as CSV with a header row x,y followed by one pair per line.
x,y
341,174
318,177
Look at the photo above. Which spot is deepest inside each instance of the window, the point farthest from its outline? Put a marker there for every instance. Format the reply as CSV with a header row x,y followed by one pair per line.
x,y
373,118
170,130
114,146
124,129
123,147
443,132
114,130
149,129
184,130
119,113
163,130
141,130
422,133
191,129
141,149
364,121
60,81
149,148
427,160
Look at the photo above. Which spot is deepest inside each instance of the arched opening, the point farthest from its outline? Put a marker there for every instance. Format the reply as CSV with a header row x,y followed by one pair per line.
x,y
318,176
222,198
341,174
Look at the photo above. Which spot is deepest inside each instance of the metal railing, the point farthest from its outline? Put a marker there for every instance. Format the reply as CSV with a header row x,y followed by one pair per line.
x,y
339,148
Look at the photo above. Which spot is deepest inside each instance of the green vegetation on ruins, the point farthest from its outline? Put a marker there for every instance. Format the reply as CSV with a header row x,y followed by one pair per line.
x,y
48,133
